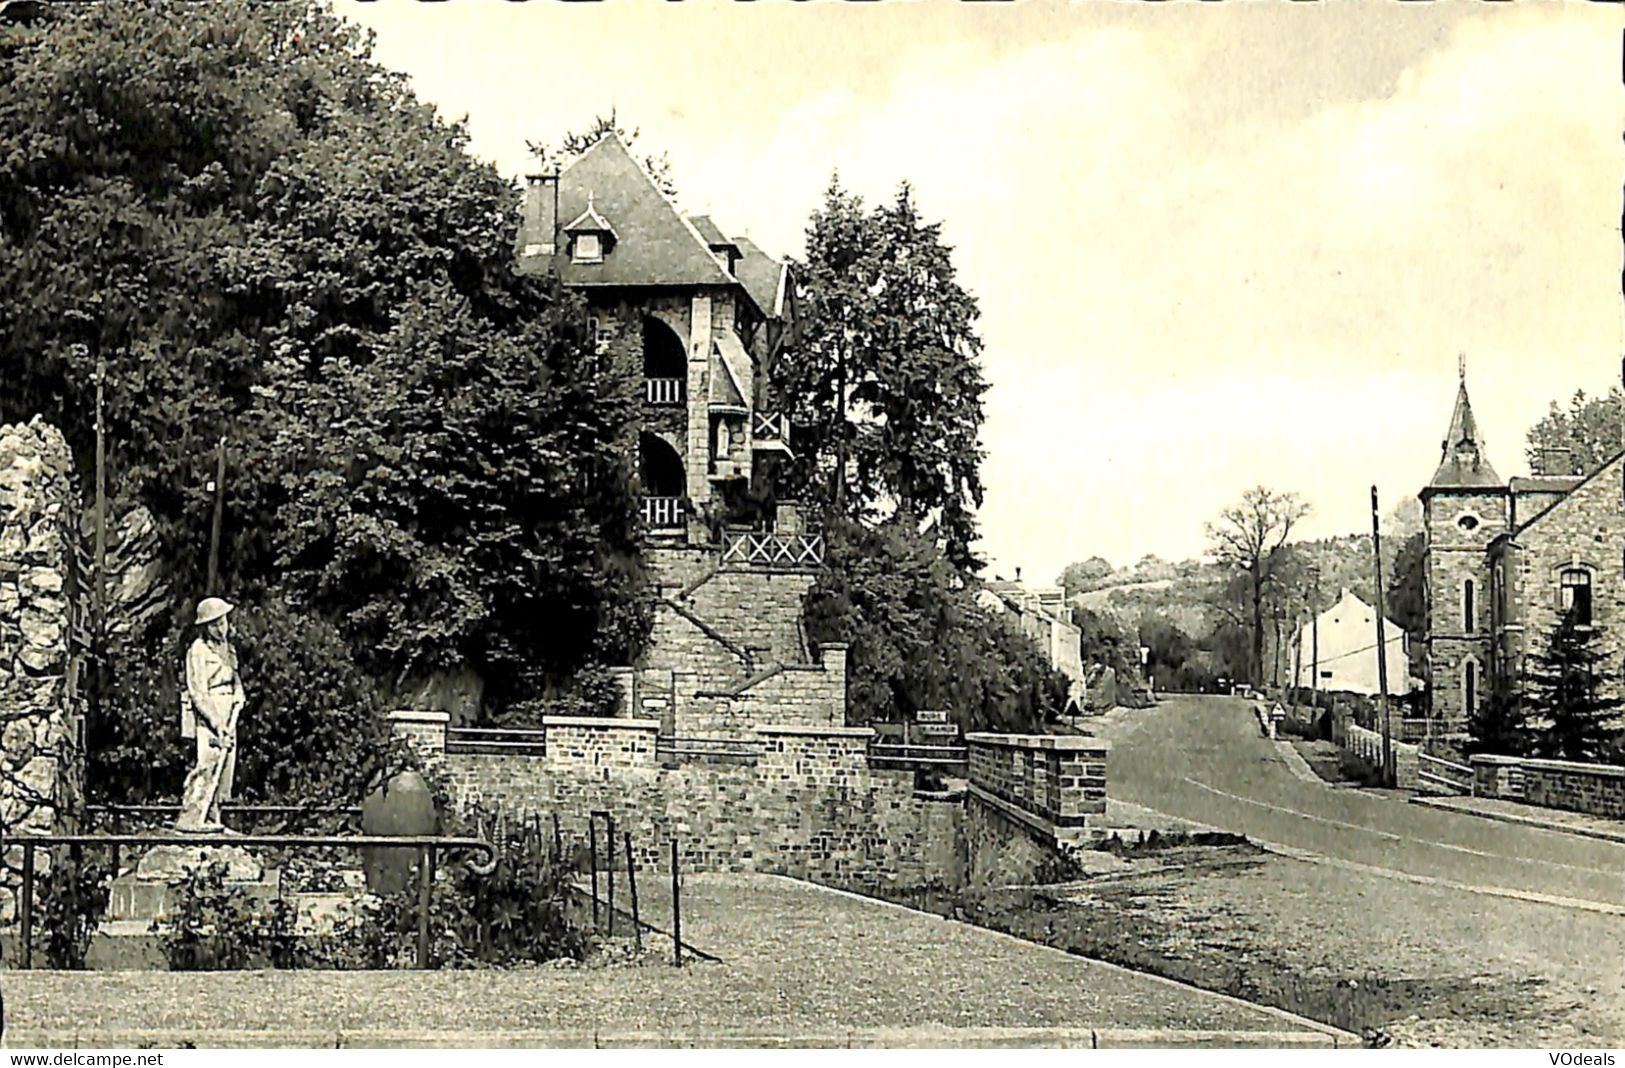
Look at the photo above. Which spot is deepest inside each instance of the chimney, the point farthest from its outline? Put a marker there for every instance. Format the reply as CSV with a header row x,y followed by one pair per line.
x,y
1554,460
539,215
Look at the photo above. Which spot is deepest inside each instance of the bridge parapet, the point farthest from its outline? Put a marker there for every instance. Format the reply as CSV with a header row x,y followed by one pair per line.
x,y
1058,778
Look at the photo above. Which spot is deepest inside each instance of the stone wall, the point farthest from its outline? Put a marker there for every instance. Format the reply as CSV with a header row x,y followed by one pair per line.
x,y
1059,779
806,803
1456,554
41,635
1595,789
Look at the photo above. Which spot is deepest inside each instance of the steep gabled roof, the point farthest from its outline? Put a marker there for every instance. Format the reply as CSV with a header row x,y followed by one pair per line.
x,y
763,276
657,246
1455,472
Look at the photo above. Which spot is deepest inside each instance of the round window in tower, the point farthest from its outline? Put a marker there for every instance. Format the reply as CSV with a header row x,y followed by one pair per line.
x,y
1468,522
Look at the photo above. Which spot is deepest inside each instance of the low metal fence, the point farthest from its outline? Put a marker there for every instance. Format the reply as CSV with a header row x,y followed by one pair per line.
x,y
916,757
1445,774
496,740
428,847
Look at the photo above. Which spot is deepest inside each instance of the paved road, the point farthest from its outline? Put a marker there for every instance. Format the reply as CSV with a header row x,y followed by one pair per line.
x,y
1203,759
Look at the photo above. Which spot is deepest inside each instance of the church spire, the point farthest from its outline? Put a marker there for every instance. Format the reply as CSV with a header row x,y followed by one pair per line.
x,y
1461,454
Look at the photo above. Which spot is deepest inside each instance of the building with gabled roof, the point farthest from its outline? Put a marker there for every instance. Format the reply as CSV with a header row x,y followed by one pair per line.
x,y
701,317
1506,560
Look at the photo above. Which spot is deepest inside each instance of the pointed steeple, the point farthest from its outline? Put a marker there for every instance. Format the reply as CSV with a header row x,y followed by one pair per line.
x,y
1461,455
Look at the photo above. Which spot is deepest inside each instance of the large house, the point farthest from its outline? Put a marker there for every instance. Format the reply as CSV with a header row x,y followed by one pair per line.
x,y
700,317
1507,560
1044,617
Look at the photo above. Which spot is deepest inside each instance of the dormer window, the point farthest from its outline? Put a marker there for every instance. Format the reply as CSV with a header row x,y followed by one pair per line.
x,y
589,248
591,236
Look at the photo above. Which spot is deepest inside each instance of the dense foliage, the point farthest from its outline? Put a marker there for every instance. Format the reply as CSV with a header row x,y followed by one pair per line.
x,y
919,638
885,389
1589,427
215,925
69,906
265,238
1570,715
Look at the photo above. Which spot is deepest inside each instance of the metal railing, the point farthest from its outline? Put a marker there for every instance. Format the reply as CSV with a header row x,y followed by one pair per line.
x,y
663,391
428,849
898,756
496,740
733,750
1447,774
663,513
165,811
773,550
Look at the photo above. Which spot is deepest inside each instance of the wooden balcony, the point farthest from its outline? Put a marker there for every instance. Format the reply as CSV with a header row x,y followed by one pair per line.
x,y
753,549
770,431
663,513
664,392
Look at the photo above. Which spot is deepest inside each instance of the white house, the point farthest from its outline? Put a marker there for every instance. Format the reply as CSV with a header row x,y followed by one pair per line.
x,y
1342,646
1044,617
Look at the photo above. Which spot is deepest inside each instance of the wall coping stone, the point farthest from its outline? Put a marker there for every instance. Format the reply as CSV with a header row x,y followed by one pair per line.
x,y
1040,741
602,723
1604,771
796,728
411,715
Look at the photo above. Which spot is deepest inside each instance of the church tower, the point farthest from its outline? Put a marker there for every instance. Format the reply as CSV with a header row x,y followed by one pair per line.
x,y
1464,507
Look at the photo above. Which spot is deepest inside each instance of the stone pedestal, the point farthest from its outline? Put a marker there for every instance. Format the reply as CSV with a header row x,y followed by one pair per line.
x,y
145,893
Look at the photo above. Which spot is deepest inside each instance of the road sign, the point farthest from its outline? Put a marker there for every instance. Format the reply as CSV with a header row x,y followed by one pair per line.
x,y
937,728
932,715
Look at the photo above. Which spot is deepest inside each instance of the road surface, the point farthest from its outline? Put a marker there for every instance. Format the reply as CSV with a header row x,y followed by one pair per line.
x,y
1203,759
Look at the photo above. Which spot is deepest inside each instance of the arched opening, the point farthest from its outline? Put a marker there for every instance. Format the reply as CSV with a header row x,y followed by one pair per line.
x,y
660,471
665,363
1574,586
1469,613
1469,687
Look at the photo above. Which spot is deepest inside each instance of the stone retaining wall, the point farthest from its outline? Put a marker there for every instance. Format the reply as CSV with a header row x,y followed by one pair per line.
x,y
1060,778
808,805
1595,789
41,636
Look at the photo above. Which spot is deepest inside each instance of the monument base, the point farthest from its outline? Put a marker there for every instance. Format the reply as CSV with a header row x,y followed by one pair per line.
x,y
145,893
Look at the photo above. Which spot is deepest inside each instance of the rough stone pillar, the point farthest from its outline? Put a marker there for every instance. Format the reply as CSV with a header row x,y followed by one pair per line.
x,y
41,707
424,731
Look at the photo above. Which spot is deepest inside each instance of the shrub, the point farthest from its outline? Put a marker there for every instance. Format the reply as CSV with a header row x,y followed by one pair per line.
x,y
69,907
214,926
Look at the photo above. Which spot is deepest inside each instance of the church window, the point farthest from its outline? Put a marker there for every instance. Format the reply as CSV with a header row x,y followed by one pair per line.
x,y
1574,591
1468,522
1469,687
1469,610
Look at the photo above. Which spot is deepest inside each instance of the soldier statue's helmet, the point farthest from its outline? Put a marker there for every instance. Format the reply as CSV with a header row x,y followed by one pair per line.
x,y
210,609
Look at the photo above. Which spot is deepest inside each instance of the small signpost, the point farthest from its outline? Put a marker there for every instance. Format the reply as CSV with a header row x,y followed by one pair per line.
x,y
938,729
932,715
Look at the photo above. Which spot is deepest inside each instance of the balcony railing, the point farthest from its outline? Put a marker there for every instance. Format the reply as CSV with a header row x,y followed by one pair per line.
x,y
663,391
770,430
663,513
773,550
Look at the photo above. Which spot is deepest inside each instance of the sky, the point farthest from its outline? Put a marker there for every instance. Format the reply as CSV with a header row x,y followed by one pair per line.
x,y
1214,246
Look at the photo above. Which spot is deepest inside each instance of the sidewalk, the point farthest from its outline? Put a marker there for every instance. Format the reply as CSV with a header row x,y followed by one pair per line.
x,y
1551,819
801,966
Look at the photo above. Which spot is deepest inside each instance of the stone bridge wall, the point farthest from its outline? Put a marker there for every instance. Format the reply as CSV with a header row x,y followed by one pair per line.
x,y
1595,789
41,635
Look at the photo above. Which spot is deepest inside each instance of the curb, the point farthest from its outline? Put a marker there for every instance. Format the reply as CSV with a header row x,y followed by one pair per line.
x,y
581,1038
1296,764
1598,833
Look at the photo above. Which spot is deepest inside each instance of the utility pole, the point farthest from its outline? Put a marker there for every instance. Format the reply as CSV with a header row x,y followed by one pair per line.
x,y
101,506
1314,641
1390,773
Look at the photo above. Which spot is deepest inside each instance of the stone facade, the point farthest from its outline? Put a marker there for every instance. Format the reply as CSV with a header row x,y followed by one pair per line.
x,y
41,636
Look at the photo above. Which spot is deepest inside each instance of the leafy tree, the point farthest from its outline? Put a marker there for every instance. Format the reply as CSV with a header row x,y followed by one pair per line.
x,y
1590,427
1102,640
576,142
1407,591
1571,717
1084,575
885,389
919,639
1248,539
262,235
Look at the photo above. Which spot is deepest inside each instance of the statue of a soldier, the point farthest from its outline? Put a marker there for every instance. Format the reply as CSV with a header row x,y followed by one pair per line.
x,y
209,710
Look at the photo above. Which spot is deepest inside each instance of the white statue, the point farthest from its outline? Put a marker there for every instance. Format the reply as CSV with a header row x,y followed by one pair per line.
x,y
209,711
